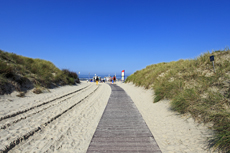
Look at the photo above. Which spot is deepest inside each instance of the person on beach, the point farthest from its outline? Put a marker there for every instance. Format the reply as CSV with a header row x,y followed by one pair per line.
x,y
97,79
110,80
114,79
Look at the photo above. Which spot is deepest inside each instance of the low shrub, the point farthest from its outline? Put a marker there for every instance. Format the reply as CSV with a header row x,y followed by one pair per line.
x,y
37,91
71,74
6,70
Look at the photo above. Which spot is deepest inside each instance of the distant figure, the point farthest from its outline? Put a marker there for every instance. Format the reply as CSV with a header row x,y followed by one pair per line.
x,y
110,80
114,78
97,79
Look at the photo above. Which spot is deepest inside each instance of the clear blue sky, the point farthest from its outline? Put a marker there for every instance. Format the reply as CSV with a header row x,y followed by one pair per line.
x,y
107,36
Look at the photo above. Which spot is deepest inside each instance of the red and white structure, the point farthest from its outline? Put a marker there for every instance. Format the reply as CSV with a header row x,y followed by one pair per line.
x,y
123,75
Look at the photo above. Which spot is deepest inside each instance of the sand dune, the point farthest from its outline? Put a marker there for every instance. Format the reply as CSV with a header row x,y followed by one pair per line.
x,y
173,132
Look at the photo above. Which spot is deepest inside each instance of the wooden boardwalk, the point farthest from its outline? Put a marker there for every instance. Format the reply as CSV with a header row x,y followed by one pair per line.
x,y
122,128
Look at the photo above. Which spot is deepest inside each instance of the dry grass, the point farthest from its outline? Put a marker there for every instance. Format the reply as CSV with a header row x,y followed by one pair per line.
x,y
194,88
18,73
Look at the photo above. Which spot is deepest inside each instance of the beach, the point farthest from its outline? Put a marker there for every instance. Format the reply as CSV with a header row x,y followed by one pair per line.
x,y
64,119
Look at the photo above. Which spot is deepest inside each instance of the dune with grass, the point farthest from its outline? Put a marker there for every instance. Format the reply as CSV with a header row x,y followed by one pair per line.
x,y
19,73
195,90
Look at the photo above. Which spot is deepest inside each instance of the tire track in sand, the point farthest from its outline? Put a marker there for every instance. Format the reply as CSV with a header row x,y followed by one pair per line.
x,y
73,131
8,143
21,115
39,105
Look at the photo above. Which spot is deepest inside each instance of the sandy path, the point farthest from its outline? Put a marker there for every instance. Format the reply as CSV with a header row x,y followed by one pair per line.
x,y
62,120
173,132
65,120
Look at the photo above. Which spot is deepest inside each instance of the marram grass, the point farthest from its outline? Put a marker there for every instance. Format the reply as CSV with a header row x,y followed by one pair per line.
x,y
22,70
194,88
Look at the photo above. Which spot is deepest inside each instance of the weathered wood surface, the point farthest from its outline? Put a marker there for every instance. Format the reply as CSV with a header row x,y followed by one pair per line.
x,y
122,128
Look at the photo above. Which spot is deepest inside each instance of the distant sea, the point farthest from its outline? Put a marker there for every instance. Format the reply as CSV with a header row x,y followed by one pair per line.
x,y
86,77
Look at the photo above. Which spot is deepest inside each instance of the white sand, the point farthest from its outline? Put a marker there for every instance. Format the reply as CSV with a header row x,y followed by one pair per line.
x,y
65,120
173,132
61,121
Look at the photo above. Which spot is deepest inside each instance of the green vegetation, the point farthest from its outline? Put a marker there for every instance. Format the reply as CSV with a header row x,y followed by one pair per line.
x,y
22,73
194,88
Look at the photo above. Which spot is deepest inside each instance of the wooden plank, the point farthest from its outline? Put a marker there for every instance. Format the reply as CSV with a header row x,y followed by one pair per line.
x,y
122,128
